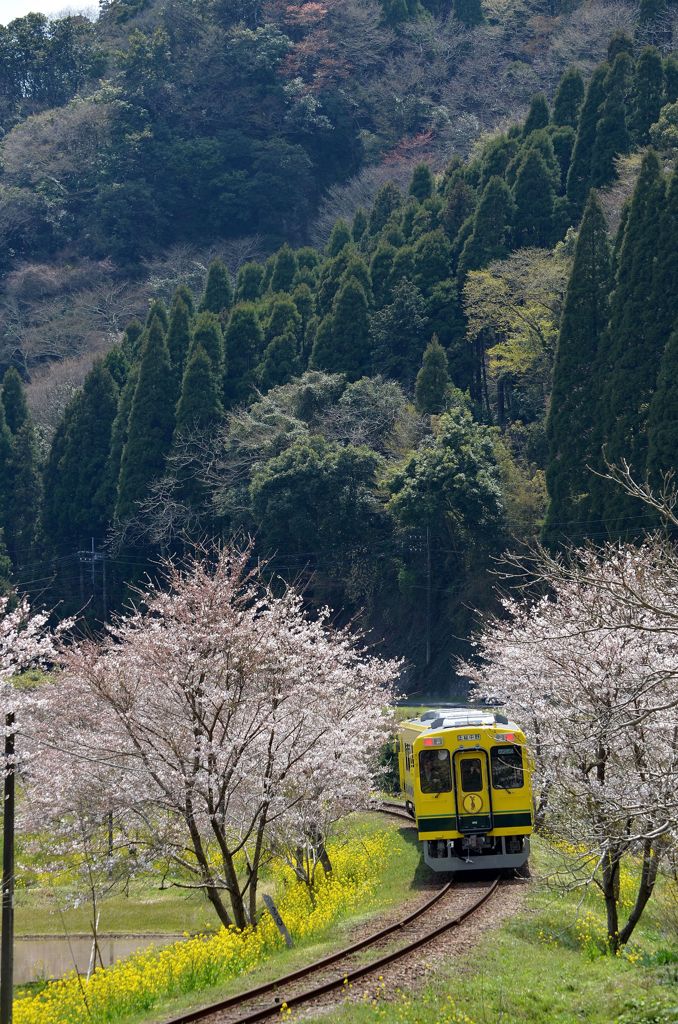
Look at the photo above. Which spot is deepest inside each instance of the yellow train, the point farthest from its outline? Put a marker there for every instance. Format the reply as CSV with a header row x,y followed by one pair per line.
x,y
465,774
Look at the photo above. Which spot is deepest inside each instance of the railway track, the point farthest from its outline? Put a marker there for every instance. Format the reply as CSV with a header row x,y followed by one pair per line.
x,y
443,911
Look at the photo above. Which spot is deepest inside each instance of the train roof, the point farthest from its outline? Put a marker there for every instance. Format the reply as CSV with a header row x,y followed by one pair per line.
x,y
457,718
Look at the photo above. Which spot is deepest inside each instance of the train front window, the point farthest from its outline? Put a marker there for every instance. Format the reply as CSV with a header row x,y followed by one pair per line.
x,y
434,771
471,775
507,767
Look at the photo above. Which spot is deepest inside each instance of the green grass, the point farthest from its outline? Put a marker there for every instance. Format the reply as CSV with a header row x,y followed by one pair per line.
x,y
540,968
404,876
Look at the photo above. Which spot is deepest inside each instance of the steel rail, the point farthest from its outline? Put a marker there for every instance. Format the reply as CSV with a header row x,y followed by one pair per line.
x,y
359,972
317,965
345,977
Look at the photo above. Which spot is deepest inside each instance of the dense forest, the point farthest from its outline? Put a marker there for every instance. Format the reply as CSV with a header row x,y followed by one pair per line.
x,y
387,409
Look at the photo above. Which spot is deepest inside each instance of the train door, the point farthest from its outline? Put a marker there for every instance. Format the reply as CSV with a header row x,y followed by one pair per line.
x,y
474,805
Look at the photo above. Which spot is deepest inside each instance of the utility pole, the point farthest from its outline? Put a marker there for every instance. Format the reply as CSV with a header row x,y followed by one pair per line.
x,y
7,948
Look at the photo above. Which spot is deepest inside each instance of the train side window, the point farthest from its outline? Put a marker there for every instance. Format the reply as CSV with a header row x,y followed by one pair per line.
x,y
434,771
507,767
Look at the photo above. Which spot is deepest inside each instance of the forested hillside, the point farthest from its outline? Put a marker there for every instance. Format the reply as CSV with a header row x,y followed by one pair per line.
x,y
136,148
385,412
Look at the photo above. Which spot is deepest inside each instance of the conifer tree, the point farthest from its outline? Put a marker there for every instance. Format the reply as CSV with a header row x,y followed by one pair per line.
x,y
533,196
422,184
284,270
85,451
218,295
635,346
398,335
283,316
184,294
568,99
359,226
280,362
432,260
647,94
563,143
433,380
199,407
671,78
460,202
207,332
14,400
468,12
106,496
341,236
537,116
662,426
664,301
244,343
55,497
117,364
5,568
570,423
342,342
157,309
381,268
619,43
612,136
26,493
6,468
178,339
388,199
579,176
491,228
250,277
151,425
132,341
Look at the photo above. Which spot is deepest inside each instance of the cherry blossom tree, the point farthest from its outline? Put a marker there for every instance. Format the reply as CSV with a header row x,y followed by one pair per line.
x,y
210,720
591,669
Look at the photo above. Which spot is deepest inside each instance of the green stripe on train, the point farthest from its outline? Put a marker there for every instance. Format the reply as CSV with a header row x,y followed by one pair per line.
x,y
508,819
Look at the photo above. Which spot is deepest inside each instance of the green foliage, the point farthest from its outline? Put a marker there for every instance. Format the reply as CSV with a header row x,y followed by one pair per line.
x,y
664,134
491,227
422,184
207,332
388,199
284,270
249,286
533,197
671,78
244,342
469,12
283,316
647,95
662,427
579,176
359,226
569,98
5,467
151,424
341,236
316,496
636,343
398,334
451,483
26,495
178,338
218,295
432,260
538,115
433,380
571,427
460,202
157,309
199,407
280,361
342,342
619,43
612,136
79,456
14,400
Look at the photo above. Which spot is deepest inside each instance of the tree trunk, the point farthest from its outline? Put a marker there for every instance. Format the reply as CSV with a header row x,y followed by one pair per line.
x,y
648,877
611,894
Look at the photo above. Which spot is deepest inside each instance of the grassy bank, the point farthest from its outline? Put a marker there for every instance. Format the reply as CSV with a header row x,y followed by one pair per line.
x,y
547,966
377,864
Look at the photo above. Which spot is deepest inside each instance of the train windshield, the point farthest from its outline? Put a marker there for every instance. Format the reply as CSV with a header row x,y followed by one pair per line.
x,y
471,775
507,767
434,771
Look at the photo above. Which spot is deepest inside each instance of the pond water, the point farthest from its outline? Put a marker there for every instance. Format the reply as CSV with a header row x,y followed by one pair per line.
x,y
37,957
